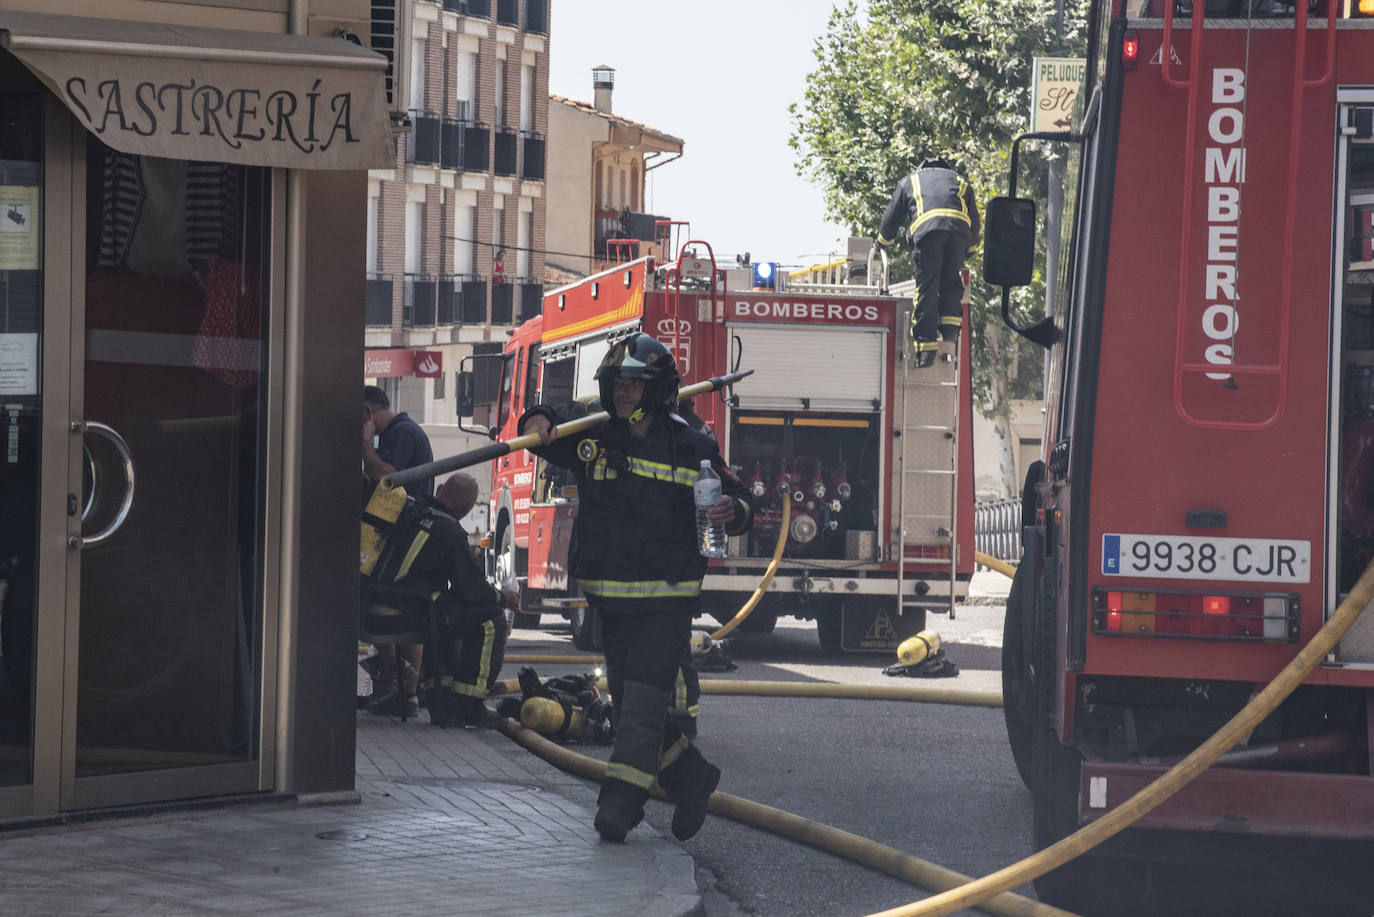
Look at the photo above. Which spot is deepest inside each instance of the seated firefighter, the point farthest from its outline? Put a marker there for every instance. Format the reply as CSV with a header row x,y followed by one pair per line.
x,y
427,564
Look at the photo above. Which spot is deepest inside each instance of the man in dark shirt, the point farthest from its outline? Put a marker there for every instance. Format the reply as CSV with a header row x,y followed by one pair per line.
x,y
401,444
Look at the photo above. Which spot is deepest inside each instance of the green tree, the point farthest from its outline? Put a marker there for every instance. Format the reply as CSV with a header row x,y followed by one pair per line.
x,y
905,80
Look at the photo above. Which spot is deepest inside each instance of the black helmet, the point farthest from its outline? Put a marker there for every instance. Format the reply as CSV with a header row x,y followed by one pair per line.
x,y
640,357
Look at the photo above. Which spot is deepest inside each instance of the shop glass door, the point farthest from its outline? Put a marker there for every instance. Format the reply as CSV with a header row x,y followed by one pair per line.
x,y
171,477
21,407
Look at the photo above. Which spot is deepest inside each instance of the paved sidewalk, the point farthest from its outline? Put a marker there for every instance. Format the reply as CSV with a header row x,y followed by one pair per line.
x,y
450,821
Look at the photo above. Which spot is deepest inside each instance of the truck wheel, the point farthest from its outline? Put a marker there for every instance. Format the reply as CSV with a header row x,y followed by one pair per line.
x,y
1089,884
583,621
1014,701
830,628
506,571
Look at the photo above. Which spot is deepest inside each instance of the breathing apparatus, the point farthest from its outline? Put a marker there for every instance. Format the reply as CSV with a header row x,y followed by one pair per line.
x,y
564,707
921,656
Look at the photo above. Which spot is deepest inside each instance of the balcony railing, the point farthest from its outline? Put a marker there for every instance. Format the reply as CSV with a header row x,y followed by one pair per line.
x,y
536,16
623,225
469,7
502,303
504,152
422,146
377,311
443,302
532,162
417,308
508,12
474,301
464,145
531,299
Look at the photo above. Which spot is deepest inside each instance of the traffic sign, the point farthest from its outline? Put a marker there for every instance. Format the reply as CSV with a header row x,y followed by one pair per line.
x,y
1055,84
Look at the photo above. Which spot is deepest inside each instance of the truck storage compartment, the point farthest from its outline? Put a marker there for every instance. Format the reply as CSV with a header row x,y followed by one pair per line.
x,y
826,465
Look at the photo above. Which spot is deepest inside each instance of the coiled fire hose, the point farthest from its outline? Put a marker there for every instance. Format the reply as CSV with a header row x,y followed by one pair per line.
x,y
1168,783
868,853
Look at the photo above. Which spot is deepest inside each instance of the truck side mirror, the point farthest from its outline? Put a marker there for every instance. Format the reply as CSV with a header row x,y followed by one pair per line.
x,y
1009,242
465,394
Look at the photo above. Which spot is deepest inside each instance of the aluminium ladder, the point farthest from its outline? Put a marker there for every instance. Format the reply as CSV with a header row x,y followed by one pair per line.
x,y
927,466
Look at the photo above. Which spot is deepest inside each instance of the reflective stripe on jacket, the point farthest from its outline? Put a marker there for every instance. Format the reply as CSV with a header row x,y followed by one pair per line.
x,y
932,197
634,540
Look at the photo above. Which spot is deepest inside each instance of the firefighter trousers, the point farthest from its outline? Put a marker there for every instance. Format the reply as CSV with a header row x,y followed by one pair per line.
x,y
643,653
938,302
471,645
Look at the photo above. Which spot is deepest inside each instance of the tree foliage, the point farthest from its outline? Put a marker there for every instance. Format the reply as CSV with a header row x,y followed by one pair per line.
x,y
907,80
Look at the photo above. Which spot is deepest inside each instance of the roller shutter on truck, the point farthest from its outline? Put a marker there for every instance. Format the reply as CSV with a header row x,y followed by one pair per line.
x,y
837,369
589,357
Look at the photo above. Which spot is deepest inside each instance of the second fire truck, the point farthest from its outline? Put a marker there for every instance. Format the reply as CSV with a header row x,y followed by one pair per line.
x,y
866,452
1206,500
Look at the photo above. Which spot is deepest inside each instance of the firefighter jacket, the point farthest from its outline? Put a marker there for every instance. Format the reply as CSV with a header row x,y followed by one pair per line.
x,y
634,543
932,197
428,551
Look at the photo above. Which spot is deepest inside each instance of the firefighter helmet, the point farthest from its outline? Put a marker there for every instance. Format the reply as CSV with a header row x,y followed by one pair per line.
x,y
640,357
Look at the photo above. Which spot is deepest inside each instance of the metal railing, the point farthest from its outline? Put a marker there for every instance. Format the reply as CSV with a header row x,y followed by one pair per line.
x,y
504,151
422,145
472,298
464,145
502,303
377,310
997,529
480,8
531,300
536,16
532,162
418,301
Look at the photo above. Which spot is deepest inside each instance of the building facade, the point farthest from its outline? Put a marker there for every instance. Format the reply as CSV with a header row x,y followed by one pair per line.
x,y
456,226
599,169
184,198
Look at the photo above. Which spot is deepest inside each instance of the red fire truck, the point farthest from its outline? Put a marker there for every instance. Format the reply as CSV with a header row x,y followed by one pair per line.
x,y
1206,498
866,453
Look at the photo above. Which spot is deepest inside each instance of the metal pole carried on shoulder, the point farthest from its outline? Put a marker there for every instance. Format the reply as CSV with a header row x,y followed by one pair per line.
x,y
496,450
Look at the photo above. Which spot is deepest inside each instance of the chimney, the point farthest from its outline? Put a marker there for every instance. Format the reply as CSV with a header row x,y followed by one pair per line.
x,y
603,81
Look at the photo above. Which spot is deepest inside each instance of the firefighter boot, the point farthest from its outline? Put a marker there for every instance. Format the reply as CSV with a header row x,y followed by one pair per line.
x,y
619,807
924,358
689,782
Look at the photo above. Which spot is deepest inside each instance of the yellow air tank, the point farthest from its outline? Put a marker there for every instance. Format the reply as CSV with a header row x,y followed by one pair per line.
x,y
917,649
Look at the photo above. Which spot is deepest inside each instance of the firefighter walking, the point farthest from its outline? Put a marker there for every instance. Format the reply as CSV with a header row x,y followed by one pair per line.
x,y
934,208
635,556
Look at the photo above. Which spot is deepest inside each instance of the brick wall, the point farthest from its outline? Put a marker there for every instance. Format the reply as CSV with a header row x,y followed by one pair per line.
x,y
440,99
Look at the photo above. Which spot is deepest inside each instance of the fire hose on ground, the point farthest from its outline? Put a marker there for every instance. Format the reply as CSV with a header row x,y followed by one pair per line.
x,y
1168,783
995,887
785,824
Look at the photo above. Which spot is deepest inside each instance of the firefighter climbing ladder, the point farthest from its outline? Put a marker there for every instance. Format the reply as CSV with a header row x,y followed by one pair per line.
x,y
927,466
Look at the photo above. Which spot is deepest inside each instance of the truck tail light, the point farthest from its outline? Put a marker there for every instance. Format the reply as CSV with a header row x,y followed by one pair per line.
x,y
1130,51
1196,615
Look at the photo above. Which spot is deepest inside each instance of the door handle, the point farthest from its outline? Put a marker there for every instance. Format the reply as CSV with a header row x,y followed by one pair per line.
x,y
127,463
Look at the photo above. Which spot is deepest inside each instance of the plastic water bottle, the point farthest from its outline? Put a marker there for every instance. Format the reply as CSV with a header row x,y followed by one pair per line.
x,y
710,535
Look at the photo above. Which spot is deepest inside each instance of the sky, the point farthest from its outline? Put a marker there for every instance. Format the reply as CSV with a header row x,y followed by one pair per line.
x,y
720,76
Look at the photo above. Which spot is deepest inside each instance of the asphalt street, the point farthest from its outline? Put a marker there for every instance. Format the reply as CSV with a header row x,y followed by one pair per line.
x,y
936,781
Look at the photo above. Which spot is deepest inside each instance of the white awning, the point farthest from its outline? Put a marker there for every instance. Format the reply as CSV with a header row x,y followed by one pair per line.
x,y
219,95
